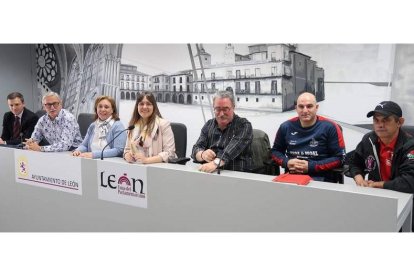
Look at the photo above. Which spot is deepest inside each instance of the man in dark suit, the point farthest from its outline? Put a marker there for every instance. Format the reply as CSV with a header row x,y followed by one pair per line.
x,y
19,123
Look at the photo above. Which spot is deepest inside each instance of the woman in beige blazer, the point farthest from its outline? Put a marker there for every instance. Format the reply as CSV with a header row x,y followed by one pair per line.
x,y
152,139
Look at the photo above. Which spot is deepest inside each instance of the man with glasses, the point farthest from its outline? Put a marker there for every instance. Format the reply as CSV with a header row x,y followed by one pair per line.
x,y
58,127
309,144
225,140
19,123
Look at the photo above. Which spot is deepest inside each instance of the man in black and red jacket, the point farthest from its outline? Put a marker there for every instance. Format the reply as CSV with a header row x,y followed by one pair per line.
x,y
309,144
385,154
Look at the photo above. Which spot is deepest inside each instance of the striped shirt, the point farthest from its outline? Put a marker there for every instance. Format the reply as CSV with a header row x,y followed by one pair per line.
x,y
232,144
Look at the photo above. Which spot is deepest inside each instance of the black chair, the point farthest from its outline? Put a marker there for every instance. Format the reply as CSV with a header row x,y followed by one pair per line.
x,y
348,159
84,121
409,129
40,113
337,175
180,138
261,154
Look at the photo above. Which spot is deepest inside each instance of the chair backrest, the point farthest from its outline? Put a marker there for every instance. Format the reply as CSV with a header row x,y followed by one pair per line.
x,y
408,129
260,147
84,121
180,138
337,175
40,113
261,154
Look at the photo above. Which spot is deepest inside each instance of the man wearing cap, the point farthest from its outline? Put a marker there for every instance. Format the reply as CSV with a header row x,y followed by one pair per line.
x,y
385,154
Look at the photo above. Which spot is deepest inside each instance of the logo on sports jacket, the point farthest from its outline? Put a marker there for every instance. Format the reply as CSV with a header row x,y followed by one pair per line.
x,y
370,163
410,155
313,143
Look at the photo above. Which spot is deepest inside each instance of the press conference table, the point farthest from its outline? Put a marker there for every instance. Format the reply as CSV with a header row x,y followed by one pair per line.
x,y
182,199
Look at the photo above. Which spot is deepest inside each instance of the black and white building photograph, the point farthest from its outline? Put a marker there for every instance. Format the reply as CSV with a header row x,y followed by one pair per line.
x,y
190,212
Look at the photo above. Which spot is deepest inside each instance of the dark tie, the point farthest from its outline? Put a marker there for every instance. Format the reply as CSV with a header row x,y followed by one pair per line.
x,y
16,127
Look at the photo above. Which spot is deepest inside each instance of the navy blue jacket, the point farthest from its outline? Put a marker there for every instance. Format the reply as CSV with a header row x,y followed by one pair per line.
x,y
322,145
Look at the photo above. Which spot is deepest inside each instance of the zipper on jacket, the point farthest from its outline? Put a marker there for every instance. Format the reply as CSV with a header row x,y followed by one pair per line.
x,y
374,149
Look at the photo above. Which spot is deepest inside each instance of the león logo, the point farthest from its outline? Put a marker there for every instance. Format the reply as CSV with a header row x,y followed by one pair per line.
x,y
124,179
125,185
22,168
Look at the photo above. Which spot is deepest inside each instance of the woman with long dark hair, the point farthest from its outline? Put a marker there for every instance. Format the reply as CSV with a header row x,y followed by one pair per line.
x,y
152,139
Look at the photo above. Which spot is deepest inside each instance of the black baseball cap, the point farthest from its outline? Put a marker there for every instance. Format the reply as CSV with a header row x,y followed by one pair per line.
x,y
386,108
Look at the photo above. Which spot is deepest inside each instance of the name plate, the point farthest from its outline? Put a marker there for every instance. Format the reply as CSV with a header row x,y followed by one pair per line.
x,y
123,183
56,171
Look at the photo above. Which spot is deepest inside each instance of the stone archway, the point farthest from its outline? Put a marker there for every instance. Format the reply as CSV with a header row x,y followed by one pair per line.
x,y
159,98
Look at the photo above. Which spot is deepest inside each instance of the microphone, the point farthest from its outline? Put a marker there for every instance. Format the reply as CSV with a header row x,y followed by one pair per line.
x,y
224,151
20,146
116,136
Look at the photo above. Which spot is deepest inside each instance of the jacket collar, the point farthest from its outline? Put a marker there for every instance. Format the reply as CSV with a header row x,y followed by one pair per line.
x,y
402,138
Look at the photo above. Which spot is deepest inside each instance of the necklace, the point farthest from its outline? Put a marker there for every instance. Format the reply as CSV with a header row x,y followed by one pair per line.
x,y
142,137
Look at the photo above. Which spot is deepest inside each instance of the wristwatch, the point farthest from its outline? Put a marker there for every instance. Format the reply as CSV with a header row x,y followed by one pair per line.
x,y
217,161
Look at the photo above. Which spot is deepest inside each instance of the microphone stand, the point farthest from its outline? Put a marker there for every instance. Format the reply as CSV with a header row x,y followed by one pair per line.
x,y
20,146
113,139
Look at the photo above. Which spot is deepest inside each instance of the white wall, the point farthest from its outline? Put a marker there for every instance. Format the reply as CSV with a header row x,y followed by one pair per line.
x,y
403,81
16,74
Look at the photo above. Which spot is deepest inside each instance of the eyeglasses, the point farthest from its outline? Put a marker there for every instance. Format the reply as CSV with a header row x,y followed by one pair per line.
x,y
220,109
54,104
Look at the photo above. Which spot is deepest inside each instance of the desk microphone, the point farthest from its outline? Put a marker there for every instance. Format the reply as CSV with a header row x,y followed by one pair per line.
x,y
224,151
116,136
20,146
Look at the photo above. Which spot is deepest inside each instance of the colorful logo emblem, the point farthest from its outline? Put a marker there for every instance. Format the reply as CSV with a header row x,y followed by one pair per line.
x,y
370,163
22,166
410,155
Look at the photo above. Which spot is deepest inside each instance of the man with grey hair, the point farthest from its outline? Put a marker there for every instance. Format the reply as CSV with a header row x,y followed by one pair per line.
x,y
225,140
58,127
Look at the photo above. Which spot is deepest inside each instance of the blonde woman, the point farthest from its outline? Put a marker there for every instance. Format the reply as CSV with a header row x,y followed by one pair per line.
x,y
152,140
106,126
